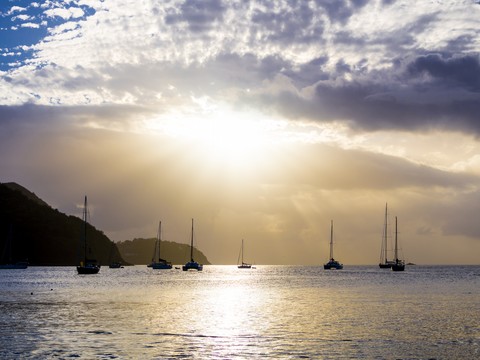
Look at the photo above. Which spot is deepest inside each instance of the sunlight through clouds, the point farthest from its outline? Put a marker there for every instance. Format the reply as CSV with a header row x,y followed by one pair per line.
x,y
264,117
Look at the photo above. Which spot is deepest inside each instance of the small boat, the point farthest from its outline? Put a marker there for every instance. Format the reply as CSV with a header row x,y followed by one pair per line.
x,y
384,262
332,263
192,264
7,261
243,265
399,265
115,265
16,265
157,262
87,266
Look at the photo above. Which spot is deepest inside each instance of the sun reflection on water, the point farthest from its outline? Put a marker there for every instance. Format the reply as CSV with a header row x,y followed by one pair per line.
x,y
226,313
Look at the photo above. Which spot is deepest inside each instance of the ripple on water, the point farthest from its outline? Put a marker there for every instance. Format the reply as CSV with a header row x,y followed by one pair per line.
x,y
272,312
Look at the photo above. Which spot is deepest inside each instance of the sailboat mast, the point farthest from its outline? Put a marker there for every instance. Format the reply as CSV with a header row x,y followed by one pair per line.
x,y
159,238
331,239
386,232
85,229
396,248
242,251
191,245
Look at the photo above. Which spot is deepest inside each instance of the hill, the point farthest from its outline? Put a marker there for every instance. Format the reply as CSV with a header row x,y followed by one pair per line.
x,y
44,236
140,251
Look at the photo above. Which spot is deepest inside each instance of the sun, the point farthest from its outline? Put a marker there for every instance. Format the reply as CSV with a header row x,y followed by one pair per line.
x,y
237,141
222,135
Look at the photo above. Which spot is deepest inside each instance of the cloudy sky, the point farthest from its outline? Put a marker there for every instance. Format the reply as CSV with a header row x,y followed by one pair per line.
x,y
262,120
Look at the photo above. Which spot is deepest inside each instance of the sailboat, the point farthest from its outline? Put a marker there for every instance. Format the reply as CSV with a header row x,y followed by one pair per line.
x,y
114,264
243,265
398,265
160,264
7,262
384,262
332,263
87,266
192,264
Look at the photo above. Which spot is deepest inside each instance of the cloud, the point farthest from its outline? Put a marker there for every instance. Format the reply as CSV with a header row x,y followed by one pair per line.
x,y
427,92
30,25
22,17
135,179
383,95
65,13
200,16
456,71
15,9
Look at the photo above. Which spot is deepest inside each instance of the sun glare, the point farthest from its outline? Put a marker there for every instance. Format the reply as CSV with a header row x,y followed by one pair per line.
x,y
238,141
224,135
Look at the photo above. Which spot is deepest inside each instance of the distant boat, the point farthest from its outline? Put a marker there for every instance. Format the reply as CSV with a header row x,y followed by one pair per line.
x,y
157,262
399,265
87,266
243,265
114,264
7,261
384,262
332,263
192,264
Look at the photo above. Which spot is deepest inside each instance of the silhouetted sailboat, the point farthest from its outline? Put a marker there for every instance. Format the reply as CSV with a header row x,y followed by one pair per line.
x,y
114,264
157,262
87,266
384,262
398,265
332,263
192,264
243,265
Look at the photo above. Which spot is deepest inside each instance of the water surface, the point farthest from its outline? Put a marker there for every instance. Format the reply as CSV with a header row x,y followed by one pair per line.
x,y
277,312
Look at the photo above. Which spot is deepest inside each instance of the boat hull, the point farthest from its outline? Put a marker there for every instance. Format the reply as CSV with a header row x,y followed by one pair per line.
x,y
19,265
245,266
387,265
398,267
333,265
161,266
192,265
88,269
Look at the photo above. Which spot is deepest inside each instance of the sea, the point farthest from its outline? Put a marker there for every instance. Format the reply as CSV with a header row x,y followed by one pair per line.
x,y
222,312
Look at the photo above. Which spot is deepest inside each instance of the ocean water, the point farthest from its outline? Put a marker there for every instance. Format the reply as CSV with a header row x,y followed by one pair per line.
x,y
271,312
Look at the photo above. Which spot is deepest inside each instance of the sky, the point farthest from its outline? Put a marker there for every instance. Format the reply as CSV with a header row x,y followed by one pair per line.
x,y
261,120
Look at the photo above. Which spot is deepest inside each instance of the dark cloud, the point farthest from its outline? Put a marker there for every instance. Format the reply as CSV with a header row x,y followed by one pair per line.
x,y
456,71
199,15
431,91
17,119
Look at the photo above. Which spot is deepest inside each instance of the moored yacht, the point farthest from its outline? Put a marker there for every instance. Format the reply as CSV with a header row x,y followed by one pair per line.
x,y
332,264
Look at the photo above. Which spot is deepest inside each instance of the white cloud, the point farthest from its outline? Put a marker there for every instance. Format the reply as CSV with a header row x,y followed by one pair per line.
x,y
65,13
30,25
15,9
21,17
